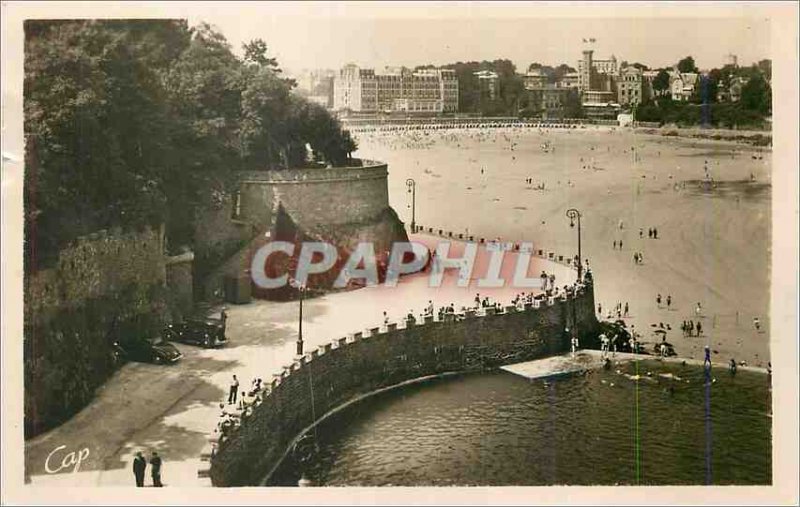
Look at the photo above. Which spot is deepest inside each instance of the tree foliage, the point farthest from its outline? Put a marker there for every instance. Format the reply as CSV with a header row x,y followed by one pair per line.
x,y
687,65
661,83
136,122
757,95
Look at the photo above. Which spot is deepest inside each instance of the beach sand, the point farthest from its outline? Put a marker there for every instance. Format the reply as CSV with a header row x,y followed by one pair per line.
x,y
713,244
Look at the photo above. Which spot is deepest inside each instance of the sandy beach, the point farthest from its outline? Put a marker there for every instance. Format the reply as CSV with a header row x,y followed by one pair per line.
x,y
713,240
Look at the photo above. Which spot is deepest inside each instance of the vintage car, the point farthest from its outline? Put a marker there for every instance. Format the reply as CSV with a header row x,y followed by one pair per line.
x,y
206,332
148,350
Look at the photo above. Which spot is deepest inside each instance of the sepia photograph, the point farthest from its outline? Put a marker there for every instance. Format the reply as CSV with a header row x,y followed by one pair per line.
x,y
347,252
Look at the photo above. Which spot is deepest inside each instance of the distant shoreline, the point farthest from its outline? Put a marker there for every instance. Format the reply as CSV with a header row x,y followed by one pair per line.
x,y
752,138
761,138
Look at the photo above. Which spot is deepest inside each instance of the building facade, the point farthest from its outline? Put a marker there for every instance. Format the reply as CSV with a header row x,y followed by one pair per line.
x,y
487,83
596,74
569,80
597,97
629,87
682,85
395,89
585,71
535,79
551,101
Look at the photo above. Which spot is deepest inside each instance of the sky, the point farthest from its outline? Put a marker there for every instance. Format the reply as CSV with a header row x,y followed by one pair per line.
x,y
329,35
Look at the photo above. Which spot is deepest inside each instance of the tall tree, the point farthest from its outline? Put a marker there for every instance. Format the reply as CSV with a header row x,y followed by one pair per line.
x,y
687,65
135,122
661,83
757,95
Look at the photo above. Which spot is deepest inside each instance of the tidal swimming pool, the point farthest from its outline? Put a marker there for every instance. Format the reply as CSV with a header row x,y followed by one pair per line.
x,y
597,428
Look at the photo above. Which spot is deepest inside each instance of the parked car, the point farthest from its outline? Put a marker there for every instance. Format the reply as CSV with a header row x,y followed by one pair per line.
x,y
207,332
149,350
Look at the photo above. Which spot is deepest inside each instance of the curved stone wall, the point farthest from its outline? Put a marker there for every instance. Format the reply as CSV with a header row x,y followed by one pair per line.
x,y
341,205
353,366
317,197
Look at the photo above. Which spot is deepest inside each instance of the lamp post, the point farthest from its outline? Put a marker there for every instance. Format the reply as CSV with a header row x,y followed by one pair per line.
x,y
301,289
574,214
412,189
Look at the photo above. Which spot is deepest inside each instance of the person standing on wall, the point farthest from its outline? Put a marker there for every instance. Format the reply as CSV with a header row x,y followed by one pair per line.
x,y
155,469
139,466
234,389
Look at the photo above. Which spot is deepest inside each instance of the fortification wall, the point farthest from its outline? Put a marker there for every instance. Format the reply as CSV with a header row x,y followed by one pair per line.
x,y
341,206
317,197
96,265
180,287
353,366
104,286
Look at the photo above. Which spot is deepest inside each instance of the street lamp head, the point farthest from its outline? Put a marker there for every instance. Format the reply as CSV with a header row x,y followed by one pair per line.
x,y
571,222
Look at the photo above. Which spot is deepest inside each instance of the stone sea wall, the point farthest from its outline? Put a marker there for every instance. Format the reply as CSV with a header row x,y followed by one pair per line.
x,y
352,366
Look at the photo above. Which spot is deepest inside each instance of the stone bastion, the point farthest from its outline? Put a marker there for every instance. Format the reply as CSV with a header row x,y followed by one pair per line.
x,y
340,205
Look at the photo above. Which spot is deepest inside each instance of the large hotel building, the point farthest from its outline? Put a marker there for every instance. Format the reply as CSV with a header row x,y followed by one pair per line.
x,y
422,91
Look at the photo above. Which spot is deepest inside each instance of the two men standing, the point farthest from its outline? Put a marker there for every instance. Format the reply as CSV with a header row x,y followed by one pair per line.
x,y
140,465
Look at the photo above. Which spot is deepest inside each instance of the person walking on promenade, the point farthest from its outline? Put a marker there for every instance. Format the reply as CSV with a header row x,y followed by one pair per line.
x,y
603,345
757,323
655,233
600,309
641,233
669,301
625,314
658,300
650,232
139,466
698,309
620,244
732,366
614,345
636,257
232,392
691,327
574,344
699,328
552,281
615,244
155,469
